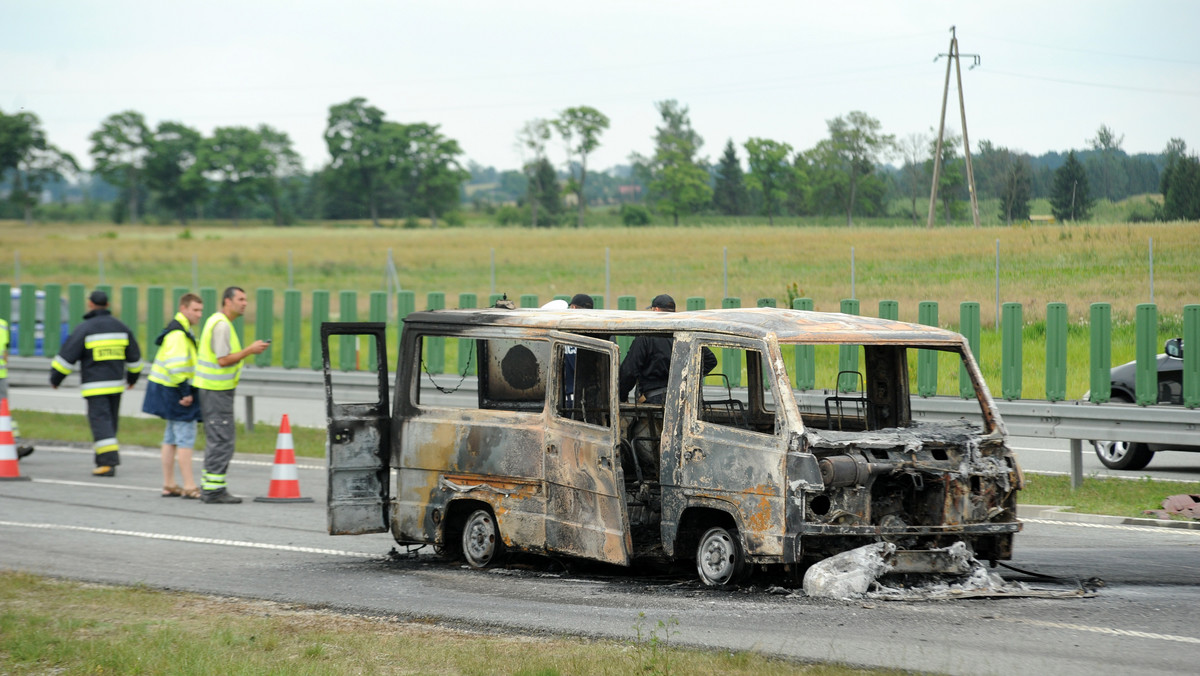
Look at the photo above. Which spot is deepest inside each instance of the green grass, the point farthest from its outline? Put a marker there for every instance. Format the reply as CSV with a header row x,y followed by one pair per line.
x,y
62,627
38,425
1103,495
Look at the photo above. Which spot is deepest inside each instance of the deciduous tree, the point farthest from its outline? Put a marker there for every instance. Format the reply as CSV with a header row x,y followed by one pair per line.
x,y
531,143
914,151
173,172
858,142
120,148
37,162
285,166
238,162
580,128
771,173
1180,183
434,172
678,182
365,149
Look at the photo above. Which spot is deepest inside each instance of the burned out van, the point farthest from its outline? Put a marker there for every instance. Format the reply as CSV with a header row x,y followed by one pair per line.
x,y
534,452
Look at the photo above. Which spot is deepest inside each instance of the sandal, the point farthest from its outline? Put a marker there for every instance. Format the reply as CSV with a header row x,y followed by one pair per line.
x,y
190,493
172,491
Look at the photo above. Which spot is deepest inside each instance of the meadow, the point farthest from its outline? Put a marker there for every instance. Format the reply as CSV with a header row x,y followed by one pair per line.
x,y
1077,264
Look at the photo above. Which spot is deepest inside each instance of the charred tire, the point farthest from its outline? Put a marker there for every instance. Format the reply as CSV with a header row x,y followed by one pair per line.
x,y
1123,454
481,543
719,557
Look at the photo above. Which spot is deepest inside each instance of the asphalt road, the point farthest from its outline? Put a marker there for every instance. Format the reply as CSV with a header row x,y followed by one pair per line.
x,y
66,523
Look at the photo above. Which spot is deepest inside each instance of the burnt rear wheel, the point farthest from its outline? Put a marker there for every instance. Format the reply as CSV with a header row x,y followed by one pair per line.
x,y
481,543
719,557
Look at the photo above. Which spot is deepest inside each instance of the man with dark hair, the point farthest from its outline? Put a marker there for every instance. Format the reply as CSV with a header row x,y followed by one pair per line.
x,y
110,362
218,367
582,301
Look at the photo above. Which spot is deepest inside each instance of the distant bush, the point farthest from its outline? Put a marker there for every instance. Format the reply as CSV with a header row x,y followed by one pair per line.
x,y
508,214
635,214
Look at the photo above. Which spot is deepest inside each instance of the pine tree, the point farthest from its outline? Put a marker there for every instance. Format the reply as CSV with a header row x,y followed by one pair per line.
x,y
729,188
1070,199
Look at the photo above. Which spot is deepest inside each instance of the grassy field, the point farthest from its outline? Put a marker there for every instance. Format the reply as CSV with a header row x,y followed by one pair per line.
x,y
61,627
1075,264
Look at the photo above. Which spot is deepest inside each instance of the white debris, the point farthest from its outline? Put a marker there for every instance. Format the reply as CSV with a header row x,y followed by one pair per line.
x,y
848,574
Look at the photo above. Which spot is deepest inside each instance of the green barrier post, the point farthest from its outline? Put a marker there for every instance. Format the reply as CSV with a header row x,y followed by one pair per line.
x,y
76,307
1011,324
291,328
889,309
528,300
848,354
176,294
1100,367
129,308
376,312
6,305
730,364
155,298
27,330
968,325
695,303
406,303
1191,360
211,304
348,345
435,348
52,323
1056,351
1146,384
264,324
806,355
466,346
628,303
320,315
927,360
766,302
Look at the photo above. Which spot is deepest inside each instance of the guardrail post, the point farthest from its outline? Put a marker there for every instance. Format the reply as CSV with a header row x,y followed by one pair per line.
x,y
730,365
968,325
766,302
27,331
1056,351
208,296
889,309
1191,360
435,347
155,297
348,312
320,315
1011,325
1076,464
1101,359
927,360
291,328
466,346
376,312
75,305
264,324
805,356
597,301
695,303
53,337
1146,385
848,354
529,300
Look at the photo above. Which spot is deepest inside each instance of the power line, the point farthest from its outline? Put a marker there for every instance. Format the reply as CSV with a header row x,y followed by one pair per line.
x,y
1093,52
1098,85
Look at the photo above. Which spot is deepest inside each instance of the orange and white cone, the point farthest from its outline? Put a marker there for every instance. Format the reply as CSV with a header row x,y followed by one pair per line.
x,y
9,465
285,479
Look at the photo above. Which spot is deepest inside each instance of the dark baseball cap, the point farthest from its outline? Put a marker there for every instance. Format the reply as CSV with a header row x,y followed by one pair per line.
x,y
582,300
663,302
98,297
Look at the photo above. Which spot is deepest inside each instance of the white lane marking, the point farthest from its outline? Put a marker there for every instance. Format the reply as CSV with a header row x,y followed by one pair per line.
x,y
194,540
1111,526
93,484
1101,630
156,454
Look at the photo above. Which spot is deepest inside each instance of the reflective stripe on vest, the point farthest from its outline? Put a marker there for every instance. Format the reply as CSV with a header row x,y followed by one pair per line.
x,y
209,374
176,360
4,336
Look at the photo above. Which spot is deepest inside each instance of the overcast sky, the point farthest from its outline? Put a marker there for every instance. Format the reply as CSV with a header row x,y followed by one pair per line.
x,y
1050,74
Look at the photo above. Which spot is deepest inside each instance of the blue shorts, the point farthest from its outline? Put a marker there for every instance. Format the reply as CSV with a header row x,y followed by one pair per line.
x,y
181,433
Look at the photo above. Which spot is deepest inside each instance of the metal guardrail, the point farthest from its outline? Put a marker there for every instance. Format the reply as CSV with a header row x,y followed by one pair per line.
x,y
1073,421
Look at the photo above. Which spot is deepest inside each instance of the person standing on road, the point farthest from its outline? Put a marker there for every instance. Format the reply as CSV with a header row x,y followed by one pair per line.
x,y
218,367
109,363
170,396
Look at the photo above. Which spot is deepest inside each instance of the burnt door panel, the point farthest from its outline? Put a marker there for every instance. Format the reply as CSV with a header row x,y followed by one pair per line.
x,y
357,445
585,497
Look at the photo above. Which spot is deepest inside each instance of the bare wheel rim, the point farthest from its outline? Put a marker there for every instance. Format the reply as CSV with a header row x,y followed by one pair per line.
x,y
717,557
1112,451
479,539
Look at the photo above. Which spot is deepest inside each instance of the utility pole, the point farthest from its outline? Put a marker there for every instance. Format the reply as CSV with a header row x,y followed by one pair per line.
x,y
953,57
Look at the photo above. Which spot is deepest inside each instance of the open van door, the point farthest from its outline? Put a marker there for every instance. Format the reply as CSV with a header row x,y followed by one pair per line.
x,y
358,440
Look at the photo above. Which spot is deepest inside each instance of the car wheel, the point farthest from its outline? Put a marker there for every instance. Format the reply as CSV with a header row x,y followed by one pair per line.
x,y
1123,454
481,543
719,557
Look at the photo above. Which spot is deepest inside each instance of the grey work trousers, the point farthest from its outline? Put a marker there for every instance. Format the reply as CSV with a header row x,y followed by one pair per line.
x,y
216,406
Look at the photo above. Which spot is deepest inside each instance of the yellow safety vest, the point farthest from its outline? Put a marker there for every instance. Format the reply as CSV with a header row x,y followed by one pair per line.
x,y
3,349
209,374
175,361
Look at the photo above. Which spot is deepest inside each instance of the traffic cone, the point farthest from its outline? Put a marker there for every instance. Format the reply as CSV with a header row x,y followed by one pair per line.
x,y
285,480
9,465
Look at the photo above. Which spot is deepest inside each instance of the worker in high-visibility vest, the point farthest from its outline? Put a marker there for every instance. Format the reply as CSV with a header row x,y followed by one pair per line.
x,y
170,396
109,363
218,366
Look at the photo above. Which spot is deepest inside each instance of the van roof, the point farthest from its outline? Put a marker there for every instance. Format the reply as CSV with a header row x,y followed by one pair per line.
x,y
789,326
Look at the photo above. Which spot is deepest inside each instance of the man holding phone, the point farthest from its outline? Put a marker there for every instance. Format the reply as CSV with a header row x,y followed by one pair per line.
x,y
218,367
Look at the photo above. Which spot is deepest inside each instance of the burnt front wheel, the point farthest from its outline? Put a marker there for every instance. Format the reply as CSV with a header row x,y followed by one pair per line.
x,y
481,543
719,557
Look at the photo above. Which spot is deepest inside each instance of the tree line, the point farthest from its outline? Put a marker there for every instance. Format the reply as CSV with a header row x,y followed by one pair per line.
x,y
379,168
